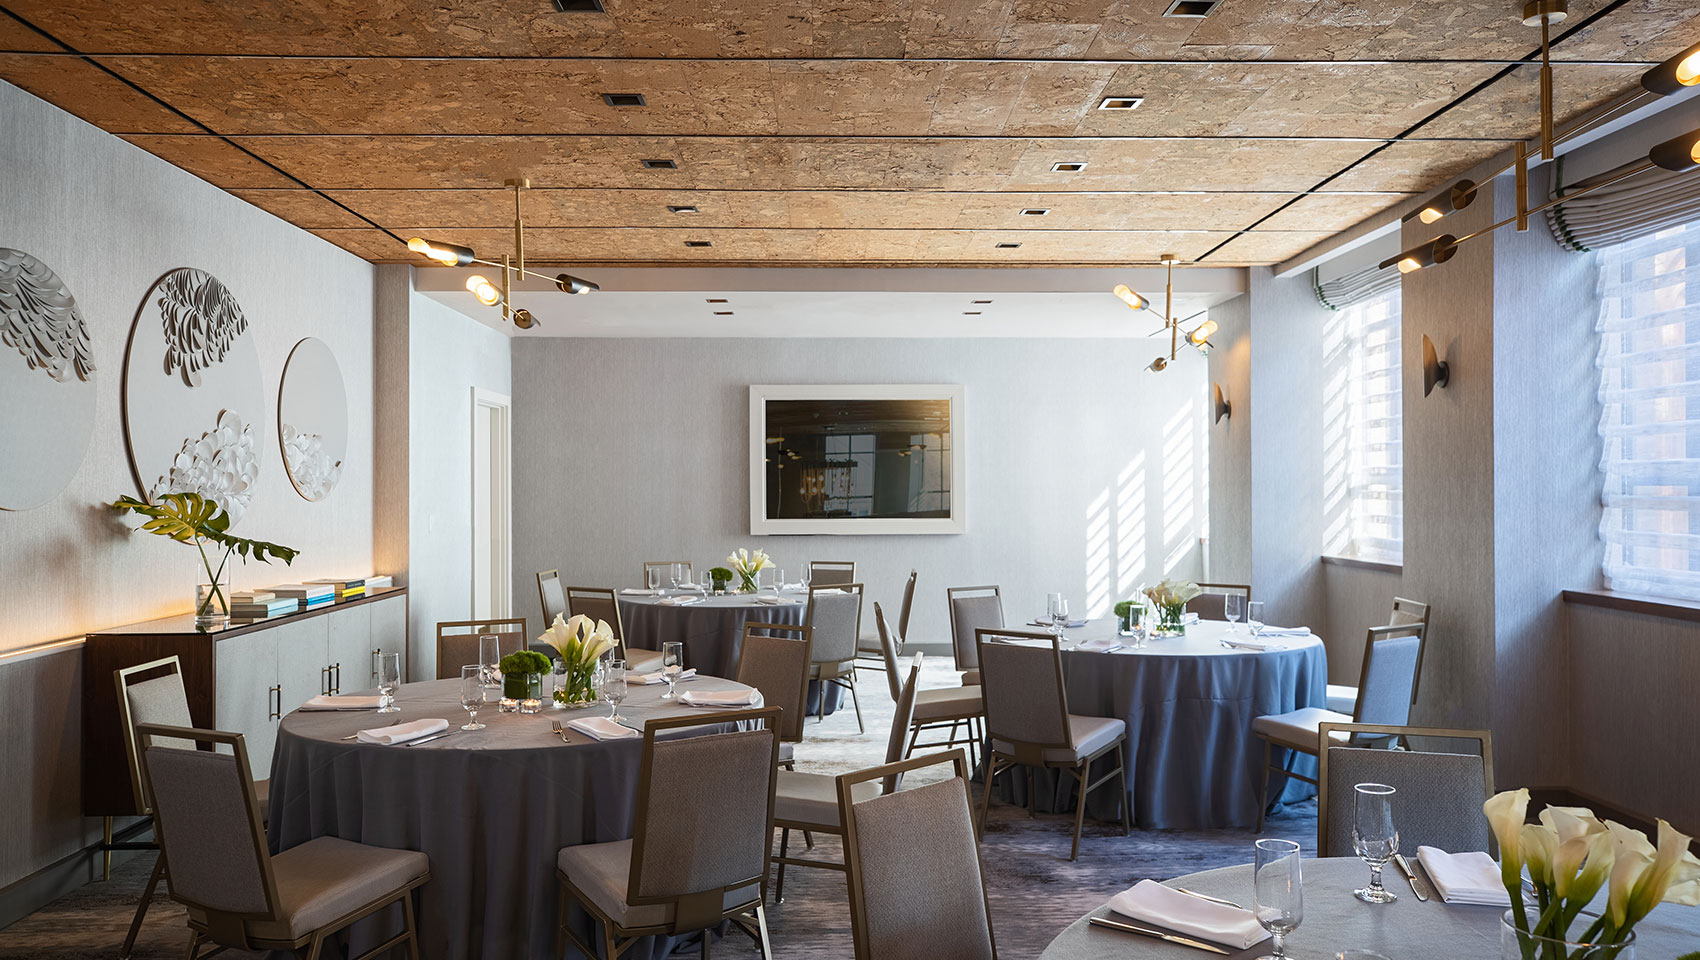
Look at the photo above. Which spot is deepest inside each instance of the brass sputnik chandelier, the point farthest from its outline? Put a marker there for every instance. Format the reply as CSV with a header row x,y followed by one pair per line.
x,y
1200,335
454,255
1679,155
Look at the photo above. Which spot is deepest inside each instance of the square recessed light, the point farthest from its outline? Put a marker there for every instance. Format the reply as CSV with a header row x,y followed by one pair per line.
x,y
982,301
699,243
578,6
1035,211
1068,166
623,99
681,208
1120,103
717,300
1005,245
723,313
1191,8
970,313
660,165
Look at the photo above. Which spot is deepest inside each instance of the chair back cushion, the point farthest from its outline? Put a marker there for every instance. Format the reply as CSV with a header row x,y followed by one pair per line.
x,y
1438,804
1390,667
833,619
200,801
830,573
703,823
778,666
922,893
968,614
897,743
1023,698
455,650
162,701
597,604
554,598
1209,606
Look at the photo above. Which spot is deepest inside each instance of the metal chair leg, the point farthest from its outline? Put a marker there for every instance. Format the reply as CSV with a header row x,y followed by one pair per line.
x,y
1080,774
1127,804
986,804
784,846
413,926
857,702
1263,788
761,923
142,908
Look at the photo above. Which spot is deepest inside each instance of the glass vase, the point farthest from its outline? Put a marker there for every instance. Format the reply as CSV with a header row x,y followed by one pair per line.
x,y
212,601
1169,622
576,686
1515,944
747,582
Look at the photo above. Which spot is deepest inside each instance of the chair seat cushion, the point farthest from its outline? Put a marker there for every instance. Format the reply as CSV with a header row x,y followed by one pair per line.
x,y
325,878
949,703
971,678
1091,734
1341,698
1298,730
600,872
870,643
787,751
812,798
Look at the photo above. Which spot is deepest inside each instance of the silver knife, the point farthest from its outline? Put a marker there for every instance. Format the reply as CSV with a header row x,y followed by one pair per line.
x,y
1410,876
1148,932
439,736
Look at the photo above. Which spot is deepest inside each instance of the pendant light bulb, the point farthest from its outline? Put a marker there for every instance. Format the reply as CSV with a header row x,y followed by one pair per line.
x,y
447,254
1675,74
1201,334
484,290
1688,69
1430,215
1438,250
1679,154
1125,294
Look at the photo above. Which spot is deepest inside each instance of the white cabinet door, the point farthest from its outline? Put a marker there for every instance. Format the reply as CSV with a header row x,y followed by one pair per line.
x,y
303,653
245,671
389,629
350,649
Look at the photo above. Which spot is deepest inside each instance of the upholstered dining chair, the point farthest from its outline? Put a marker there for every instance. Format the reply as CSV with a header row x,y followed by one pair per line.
x,y
1440,795
698,851
959,708
869,647
1342,698
1390,669
602,603
972,609
834,619
914,870
158,700
551,594
666,568
457,641
809,801
241,897
832,573
774,658
1028,722
1212,603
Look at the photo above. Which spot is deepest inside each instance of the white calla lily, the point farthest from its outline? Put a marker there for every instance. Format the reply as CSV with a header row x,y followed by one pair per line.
x,y
1573,830
1634,858
1506,813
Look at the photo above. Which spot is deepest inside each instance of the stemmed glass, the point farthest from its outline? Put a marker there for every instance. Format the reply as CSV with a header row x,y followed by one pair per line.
x,y
1375,838
803,579
672,665
1279,892
1052,602
1059,613
1232,608
676,574
778,581
490,658
389,678
654,578
472,693
614,687
1254,617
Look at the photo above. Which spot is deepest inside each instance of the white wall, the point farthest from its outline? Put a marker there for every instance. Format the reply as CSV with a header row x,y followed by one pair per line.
x,y
1084,470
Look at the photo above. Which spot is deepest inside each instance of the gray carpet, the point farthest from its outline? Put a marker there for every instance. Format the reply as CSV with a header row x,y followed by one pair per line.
x,y
1035,891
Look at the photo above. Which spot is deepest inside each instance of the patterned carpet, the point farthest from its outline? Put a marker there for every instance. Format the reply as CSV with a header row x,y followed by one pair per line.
x,y
1035,891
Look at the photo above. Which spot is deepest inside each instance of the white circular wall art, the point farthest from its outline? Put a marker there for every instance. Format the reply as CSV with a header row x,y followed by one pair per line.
x,y
193,401
46,383
312,419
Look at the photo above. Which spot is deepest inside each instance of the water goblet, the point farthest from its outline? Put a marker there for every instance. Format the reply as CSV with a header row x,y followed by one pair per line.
x,y
1233,607
1278,891
654,574
614,687
389,679
1052,602
1374,837
472,693
1254,617
490,658
672,665
779,580
1059,616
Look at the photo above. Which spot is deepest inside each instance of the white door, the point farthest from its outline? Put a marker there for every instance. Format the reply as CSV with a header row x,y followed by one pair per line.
x,y
491,517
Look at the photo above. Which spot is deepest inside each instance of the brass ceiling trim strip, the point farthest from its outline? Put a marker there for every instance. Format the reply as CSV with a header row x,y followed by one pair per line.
x,y
871,137
852,190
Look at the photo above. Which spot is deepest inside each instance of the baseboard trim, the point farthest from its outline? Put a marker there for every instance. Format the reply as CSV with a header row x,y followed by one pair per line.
x,y
26,896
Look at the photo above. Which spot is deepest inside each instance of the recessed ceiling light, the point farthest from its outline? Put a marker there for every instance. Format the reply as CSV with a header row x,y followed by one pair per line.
x,y
970,313
623,99
660,165
1035,211
717,300
1068,166
982,301
699,243
1005,245
578,6
1191,8
681,208
723,313
1120,103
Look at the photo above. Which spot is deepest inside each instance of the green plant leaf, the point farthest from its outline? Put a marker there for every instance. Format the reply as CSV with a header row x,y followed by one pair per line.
x,y
186,516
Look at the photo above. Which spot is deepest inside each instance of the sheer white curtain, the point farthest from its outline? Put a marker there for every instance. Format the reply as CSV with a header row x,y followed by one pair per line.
x,y
1650,421
1362,427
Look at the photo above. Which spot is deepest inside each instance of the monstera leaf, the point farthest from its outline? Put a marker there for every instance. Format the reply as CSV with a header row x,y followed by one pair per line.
x,y
186,517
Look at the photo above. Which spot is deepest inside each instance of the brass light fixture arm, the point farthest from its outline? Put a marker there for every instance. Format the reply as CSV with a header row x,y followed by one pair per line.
x,y
1169,310
1590,188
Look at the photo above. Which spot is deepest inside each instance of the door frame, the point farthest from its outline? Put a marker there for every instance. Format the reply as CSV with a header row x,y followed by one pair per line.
x,y
500,452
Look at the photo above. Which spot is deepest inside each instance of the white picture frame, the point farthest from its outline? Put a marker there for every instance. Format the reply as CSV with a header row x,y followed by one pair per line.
x,y
761,525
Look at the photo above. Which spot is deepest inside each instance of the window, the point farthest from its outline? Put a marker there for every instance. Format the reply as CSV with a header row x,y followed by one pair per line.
x,y
1362,466
1650,413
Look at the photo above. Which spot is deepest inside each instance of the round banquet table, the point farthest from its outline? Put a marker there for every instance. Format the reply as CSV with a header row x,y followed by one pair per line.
x,y
1192,760
490,807
712,629
1407,929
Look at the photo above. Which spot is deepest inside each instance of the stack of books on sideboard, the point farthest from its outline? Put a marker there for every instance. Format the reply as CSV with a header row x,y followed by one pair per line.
x,y
258,604
294,597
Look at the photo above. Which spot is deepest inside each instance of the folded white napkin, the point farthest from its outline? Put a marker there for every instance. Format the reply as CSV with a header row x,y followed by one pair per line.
x,y
833,592
403,732
773,601
660,676
1100,644
602,728
1252,643
1046,622
1186,620
1472,878
677,601
323,702
639,592
1269,631
722,699
1151,902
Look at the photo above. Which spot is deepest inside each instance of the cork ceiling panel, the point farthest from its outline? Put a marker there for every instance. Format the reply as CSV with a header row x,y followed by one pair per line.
x,y
823,131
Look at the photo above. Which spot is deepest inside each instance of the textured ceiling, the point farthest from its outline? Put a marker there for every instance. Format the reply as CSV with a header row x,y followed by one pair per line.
x,y
831,131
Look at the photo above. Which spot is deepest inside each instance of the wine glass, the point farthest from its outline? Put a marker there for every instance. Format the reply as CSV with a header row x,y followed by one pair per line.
x,y
614,687
1052,601
1279,892
779,580
472,693
1233,608
1254,617
1374,837
675,574
804,578
1059,617
672,664
654,578
490,658
389,678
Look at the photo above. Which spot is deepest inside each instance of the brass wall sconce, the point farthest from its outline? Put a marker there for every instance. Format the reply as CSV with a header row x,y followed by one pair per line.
x,y
1223,407
1436,372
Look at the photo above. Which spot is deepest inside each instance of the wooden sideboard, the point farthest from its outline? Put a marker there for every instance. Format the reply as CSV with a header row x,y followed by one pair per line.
x,y
242,677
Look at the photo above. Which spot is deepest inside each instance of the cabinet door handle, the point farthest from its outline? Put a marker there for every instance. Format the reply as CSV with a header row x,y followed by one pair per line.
x,y
374,669
336,678
276,714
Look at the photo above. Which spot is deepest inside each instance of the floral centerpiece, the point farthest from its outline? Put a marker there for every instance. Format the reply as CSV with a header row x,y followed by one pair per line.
x,y
192,518
746,565
1570,856
1170,598
581,643
522,674
719,577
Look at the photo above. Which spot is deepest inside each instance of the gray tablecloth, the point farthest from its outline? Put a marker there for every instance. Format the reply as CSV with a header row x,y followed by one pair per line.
x,y
1334,920
491,808
1188,702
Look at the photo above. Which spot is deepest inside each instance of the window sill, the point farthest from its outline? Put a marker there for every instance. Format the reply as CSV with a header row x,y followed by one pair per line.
x,y
1667,607
1363,564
